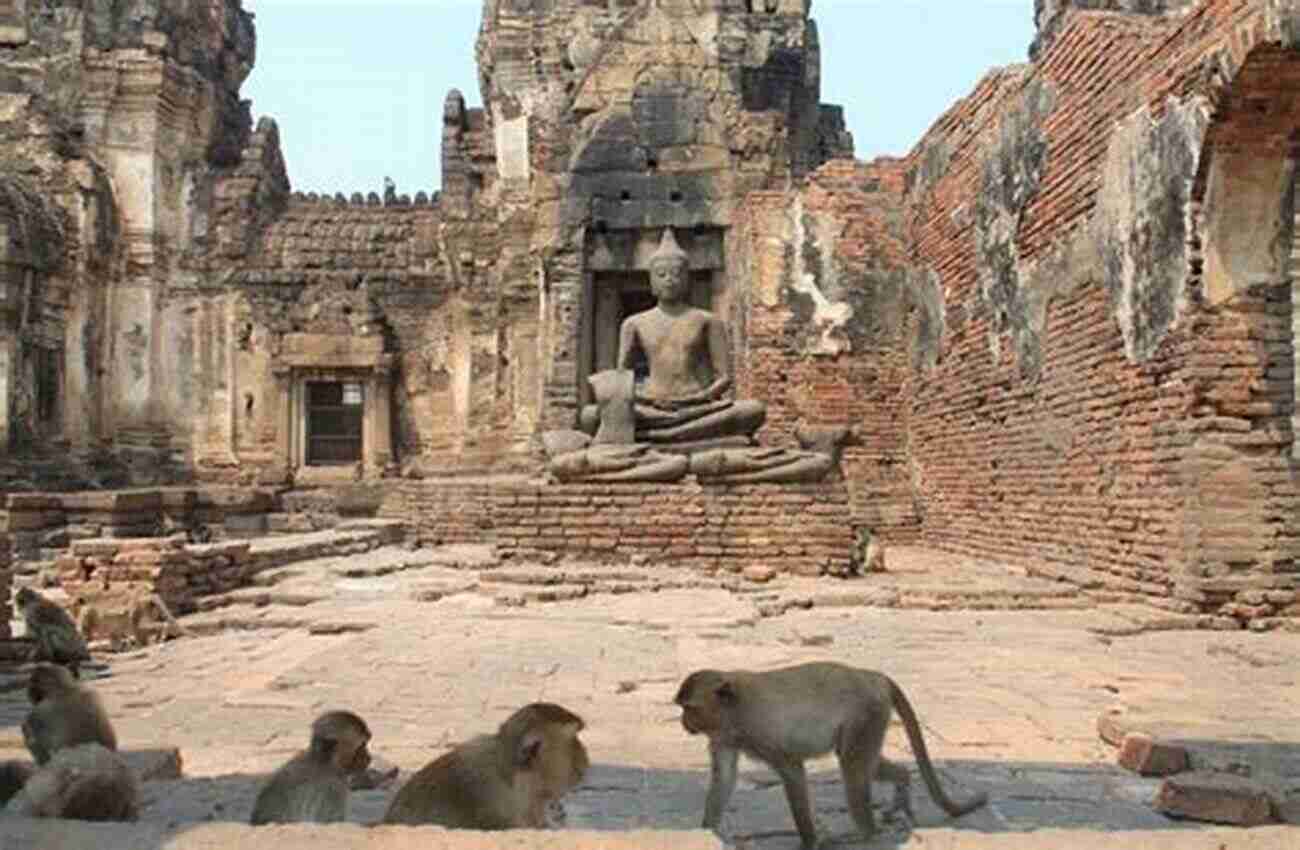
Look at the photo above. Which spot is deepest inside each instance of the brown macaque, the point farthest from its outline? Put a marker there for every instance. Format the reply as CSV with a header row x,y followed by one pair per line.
x,y
13,776
85,782
501,781
56,635
64,713
313,785
784,717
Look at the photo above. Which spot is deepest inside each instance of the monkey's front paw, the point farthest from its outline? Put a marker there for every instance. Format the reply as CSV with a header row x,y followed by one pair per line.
x,y
555,816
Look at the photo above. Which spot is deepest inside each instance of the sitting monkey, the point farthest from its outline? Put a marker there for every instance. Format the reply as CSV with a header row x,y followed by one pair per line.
x,y
783,717
82,782
501,781
56,635
313,785
64,713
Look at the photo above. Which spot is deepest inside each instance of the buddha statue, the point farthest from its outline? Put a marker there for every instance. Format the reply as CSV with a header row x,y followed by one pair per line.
x,y
683,398
678,420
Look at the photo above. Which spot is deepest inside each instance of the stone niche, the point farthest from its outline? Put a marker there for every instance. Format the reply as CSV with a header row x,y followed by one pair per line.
x,y
334,391
617,284
31,345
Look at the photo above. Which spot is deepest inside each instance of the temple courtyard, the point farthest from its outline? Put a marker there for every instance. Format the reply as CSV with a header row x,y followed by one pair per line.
x,y
1017,681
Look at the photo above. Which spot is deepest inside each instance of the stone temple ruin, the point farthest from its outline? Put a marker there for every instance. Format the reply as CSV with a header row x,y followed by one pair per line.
x,y
1058,332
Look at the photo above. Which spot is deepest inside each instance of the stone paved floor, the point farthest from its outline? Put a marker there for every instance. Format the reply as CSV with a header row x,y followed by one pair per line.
x,y
1009,699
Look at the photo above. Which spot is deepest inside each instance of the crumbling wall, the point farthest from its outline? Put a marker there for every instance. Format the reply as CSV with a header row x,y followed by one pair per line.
x,y
1049,15
826,296
120,114
1076,410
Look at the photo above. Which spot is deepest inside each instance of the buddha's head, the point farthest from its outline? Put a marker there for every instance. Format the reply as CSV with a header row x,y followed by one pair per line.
x,y
668,263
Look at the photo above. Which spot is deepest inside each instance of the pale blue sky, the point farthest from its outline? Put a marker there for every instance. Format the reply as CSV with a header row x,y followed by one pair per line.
x,y
357,87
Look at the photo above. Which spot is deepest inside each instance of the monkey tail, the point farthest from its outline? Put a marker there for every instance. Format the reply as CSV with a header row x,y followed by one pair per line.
x,y
913,727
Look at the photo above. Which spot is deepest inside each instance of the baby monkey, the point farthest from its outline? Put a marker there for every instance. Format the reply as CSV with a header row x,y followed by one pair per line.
x,y
783,717
313,785
501,781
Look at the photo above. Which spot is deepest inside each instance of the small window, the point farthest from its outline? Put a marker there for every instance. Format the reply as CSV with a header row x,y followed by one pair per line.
x,y
334,423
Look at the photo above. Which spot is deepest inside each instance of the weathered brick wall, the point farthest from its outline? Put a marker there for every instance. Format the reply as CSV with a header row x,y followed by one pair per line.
x,y
114,575
1096,405
824,313
801,529
448,511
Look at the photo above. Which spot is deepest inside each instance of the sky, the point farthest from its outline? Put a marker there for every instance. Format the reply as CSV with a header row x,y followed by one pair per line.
x,y
357,87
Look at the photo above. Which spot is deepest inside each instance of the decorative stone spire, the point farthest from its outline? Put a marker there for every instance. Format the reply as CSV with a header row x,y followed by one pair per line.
x,y
668,250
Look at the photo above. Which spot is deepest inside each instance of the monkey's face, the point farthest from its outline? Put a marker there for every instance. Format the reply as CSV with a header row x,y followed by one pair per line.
x,y
360,757
570,762
704,698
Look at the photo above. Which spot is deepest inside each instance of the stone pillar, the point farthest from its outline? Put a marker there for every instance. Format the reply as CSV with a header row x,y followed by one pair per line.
x,y
8,357
379,418
6,581
283,465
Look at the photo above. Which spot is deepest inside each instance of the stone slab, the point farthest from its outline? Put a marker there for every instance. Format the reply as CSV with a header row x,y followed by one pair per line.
x,y
24,834
1143,754
1217,798
234,500
33,502
112,501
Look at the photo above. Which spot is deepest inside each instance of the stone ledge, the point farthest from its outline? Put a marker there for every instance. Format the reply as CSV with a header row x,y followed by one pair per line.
x,y
24,834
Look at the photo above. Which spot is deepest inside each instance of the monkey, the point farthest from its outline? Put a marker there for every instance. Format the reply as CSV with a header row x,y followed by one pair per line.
x,y
64,713
313,785
131,625
868,553
783,717
85,782
507,780
13,776
56,635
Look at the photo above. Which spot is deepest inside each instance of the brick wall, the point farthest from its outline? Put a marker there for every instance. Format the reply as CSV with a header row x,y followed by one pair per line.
x,y
803,365
801,529
1041,436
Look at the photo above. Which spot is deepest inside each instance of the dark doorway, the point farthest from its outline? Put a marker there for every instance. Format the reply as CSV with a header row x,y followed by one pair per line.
x,y
334,422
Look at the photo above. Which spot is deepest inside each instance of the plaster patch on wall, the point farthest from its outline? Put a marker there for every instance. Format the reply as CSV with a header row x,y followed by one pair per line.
x,y
1140,222
512,147
815,274
1248,221
1011,173
926,291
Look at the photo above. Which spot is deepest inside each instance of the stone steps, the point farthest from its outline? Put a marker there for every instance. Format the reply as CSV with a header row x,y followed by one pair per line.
x,y
516,586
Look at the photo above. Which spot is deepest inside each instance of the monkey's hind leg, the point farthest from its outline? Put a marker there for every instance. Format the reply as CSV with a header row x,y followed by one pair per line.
x,y
858,750
901,778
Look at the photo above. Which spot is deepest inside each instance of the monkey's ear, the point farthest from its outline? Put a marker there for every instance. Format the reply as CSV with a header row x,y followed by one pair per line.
x,y
726,693
530,747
